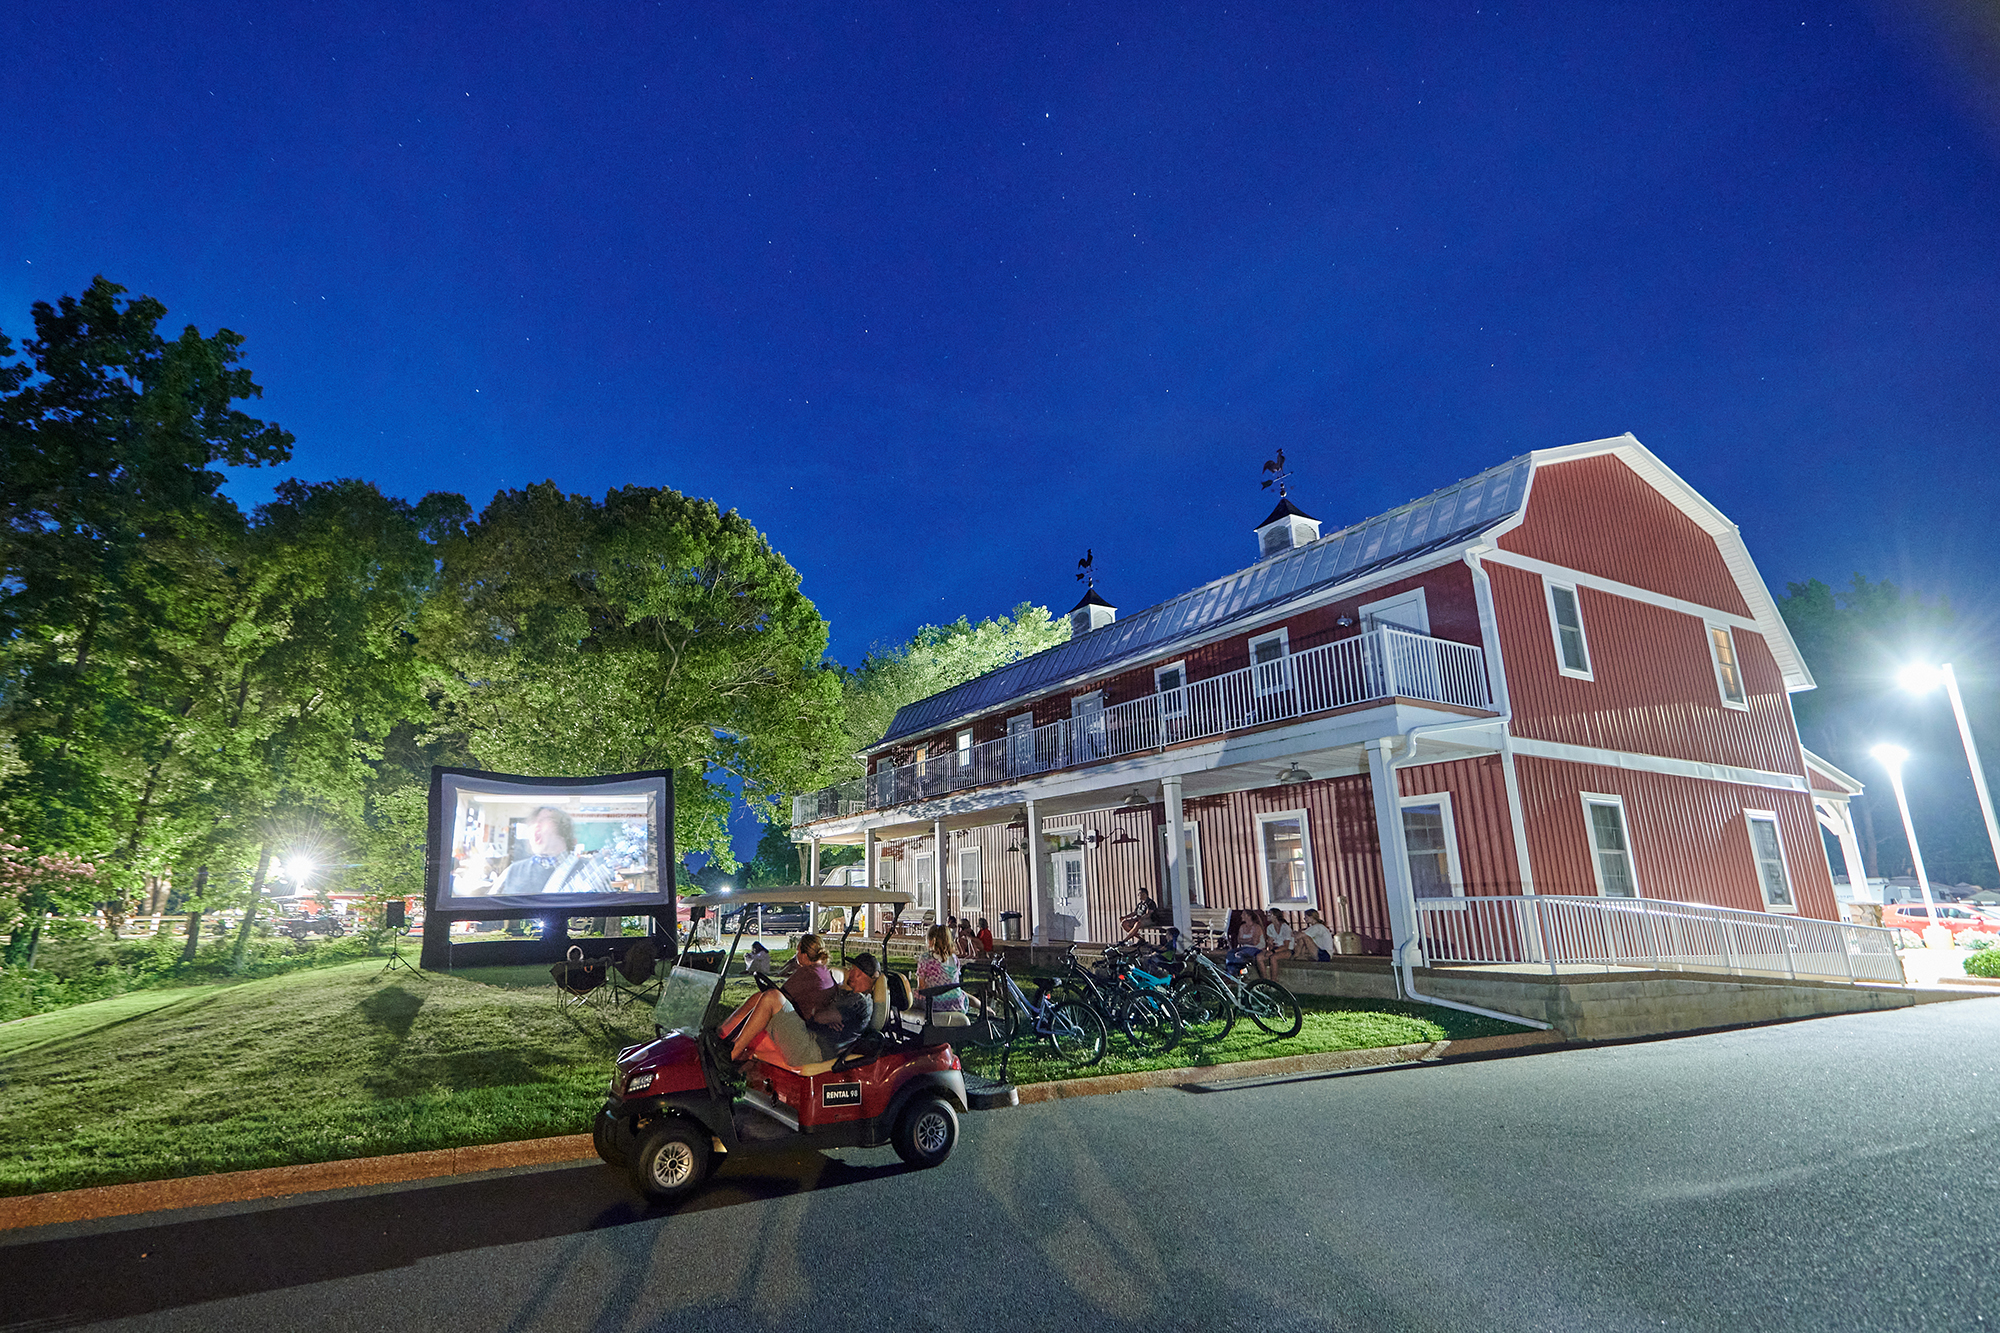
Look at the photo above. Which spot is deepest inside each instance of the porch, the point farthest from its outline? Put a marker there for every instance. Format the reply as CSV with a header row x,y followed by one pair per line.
x,y
1380,666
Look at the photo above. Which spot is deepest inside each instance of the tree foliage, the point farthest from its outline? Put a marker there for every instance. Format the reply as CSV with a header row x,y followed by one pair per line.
x,y
646,630
936,658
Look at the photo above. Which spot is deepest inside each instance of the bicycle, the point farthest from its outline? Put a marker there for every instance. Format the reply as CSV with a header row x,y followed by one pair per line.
x,y
1210,999
1148,1019
1075,1032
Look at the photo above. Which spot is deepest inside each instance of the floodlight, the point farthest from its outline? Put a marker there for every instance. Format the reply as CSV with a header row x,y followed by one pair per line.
x,y
1892,757
1920,678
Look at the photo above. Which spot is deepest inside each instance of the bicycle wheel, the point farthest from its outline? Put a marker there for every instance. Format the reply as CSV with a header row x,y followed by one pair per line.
x,y
1207,1014
1150,1023
1076,1033
1273,1008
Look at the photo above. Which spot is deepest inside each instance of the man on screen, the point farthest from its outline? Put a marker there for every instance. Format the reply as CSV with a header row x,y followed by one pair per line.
x,y
553,865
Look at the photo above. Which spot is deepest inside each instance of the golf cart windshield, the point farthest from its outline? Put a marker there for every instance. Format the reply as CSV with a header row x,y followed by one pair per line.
x,y
684,998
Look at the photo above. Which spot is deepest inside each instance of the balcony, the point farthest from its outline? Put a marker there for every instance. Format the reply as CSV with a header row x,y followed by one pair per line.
x,y
1380,664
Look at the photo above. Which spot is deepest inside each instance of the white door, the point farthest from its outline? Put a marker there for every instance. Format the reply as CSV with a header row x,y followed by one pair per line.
x,y
1087,719
1070,918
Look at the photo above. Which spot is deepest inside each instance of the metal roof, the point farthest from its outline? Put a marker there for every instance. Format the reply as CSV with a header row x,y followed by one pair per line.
x,y
1438,520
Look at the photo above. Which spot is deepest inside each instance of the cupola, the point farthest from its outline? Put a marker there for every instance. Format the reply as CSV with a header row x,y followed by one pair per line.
x,y
1093,612
1287,527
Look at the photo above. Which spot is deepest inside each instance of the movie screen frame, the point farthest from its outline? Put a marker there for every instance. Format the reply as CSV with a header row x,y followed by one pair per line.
x,y
509,842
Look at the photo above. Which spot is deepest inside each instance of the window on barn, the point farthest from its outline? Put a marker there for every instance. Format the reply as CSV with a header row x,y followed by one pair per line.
x,y
1287,860
1773,877
1566,620
1728,673
1428,838
1610,847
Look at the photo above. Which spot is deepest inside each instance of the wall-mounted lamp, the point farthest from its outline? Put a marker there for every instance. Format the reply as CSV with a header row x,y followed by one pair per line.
x,y
1092,837
1292,775
1345,622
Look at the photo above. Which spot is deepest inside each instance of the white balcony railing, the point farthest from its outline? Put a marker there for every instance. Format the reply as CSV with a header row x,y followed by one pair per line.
x,y
1554,932
1379,664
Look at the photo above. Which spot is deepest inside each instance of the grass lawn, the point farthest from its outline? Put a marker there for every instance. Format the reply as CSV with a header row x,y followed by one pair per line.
x,y
1330,1025
306,1067
348,1061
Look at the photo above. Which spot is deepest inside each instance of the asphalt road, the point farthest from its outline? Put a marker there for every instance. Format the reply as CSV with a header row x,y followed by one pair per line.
x,y
1837,1174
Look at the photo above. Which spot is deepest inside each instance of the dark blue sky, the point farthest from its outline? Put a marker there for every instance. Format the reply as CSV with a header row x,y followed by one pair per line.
x,y
939,298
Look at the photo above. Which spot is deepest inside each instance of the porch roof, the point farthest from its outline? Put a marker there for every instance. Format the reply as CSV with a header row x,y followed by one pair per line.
x,y
1438,520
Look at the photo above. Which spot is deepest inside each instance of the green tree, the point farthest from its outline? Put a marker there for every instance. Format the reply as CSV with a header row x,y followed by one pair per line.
x,y
936,658
110,521
648,630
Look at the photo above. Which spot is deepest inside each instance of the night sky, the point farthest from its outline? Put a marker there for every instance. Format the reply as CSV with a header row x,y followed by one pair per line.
x,y
939,297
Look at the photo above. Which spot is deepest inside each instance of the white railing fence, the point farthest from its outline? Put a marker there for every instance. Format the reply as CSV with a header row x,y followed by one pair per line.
x,y
1647,932
1378,664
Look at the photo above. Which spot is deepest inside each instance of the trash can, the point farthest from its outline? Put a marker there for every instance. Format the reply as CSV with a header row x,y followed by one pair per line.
x,y
1010,926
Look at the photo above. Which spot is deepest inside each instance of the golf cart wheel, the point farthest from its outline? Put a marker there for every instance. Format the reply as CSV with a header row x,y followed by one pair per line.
x,y
604,1138
1273,1008
927,1132
672,1160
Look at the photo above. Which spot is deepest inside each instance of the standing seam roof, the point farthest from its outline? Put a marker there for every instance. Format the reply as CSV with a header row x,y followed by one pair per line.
x,y
1438,520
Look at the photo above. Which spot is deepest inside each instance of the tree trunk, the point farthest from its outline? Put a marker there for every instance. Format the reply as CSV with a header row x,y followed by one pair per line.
x,y
250,912
194,915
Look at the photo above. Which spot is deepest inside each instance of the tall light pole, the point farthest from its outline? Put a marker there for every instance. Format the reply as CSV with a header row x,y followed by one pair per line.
x,y
1923,679
1892,758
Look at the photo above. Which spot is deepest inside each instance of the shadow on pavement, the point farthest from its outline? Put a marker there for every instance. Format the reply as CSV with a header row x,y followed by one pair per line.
x,y
141,1269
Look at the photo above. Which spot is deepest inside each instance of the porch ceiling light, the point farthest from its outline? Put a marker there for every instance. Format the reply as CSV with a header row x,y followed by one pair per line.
x,y
1137,800
1292,775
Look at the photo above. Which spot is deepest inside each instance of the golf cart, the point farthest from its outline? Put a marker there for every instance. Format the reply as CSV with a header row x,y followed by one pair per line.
x,y
677,1102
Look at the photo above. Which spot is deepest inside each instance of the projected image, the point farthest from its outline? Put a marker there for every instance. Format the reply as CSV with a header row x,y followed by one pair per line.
x,y
516,841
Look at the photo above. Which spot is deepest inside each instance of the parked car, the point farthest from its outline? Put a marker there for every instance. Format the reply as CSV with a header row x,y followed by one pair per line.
x,y
304,927
1915,916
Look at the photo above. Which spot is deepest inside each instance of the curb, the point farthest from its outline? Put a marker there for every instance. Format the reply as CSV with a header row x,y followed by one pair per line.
x,y
1322,1062
276,1182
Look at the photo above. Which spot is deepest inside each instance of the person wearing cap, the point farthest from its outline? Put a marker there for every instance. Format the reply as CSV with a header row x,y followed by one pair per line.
x,y
803,1040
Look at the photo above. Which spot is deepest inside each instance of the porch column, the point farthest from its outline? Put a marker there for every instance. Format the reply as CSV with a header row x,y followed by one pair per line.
x,y
1850,848
1395,852
1177,871
868,876
812,875
1041,906
941,844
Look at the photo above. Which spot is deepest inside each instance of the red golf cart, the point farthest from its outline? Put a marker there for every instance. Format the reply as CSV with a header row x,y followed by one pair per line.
x,y
677,1103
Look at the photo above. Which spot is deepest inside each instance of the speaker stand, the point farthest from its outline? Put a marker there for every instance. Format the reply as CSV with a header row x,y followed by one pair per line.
x,y
396,956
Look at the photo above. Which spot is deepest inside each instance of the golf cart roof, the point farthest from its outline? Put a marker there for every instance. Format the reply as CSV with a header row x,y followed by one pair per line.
x,y
826,895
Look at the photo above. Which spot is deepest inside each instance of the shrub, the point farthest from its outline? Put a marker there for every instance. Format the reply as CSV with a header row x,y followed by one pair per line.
x,y
1972,941
1985,963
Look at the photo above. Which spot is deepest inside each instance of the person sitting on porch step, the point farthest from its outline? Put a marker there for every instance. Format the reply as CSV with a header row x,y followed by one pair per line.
x,y
1246,938
1279,942
1317,938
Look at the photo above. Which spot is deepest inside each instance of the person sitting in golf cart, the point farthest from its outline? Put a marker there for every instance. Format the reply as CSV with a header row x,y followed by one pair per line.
x,y
803,1038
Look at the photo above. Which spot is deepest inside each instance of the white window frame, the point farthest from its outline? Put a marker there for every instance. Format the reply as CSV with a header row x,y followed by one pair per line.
x,y
1173,702
1422,617
1197,892
976,901
1709,630
1591,798
1784,861
1264,861
1563,668
924,885
1455,875
1283,663
965,749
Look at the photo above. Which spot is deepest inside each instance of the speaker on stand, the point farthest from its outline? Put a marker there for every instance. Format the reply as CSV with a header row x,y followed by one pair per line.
x,y
396,918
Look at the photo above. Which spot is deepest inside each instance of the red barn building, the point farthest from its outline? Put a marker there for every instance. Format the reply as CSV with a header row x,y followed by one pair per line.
x,y
1561,679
